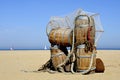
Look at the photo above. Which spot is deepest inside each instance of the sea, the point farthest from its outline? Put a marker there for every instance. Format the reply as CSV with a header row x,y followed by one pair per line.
x,y
68,49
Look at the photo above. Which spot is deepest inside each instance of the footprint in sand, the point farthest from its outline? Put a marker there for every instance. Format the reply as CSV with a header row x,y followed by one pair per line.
x,y
113,65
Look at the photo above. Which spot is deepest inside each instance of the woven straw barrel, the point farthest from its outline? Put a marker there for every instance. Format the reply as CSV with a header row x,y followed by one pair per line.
x,y
57,56
83,59
83,24
61,36
80,35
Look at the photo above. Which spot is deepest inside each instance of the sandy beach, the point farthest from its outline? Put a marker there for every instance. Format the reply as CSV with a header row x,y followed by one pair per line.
x,y
14,64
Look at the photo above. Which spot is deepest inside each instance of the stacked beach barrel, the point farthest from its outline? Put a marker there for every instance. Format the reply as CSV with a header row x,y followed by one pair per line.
x,y
81,37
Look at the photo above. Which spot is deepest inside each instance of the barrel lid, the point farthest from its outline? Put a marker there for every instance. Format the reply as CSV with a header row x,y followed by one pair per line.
x,y
81,46
54,47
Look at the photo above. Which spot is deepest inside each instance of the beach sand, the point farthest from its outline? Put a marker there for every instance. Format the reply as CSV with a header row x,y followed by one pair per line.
x,y
14,64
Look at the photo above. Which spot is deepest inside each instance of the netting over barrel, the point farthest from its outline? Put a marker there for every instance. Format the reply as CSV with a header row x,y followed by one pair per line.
x,y
69,22
80,31
57,22
98,26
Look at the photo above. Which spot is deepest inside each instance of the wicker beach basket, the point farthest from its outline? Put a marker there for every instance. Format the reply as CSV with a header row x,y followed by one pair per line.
x,y
84,29
61,36
57,56
83,59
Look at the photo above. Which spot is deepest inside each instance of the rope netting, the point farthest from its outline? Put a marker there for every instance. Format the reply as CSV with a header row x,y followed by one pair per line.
x,y
73,30
68,21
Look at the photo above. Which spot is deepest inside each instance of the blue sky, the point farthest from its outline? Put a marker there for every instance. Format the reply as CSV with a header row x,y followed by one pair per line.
x,y
23,22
